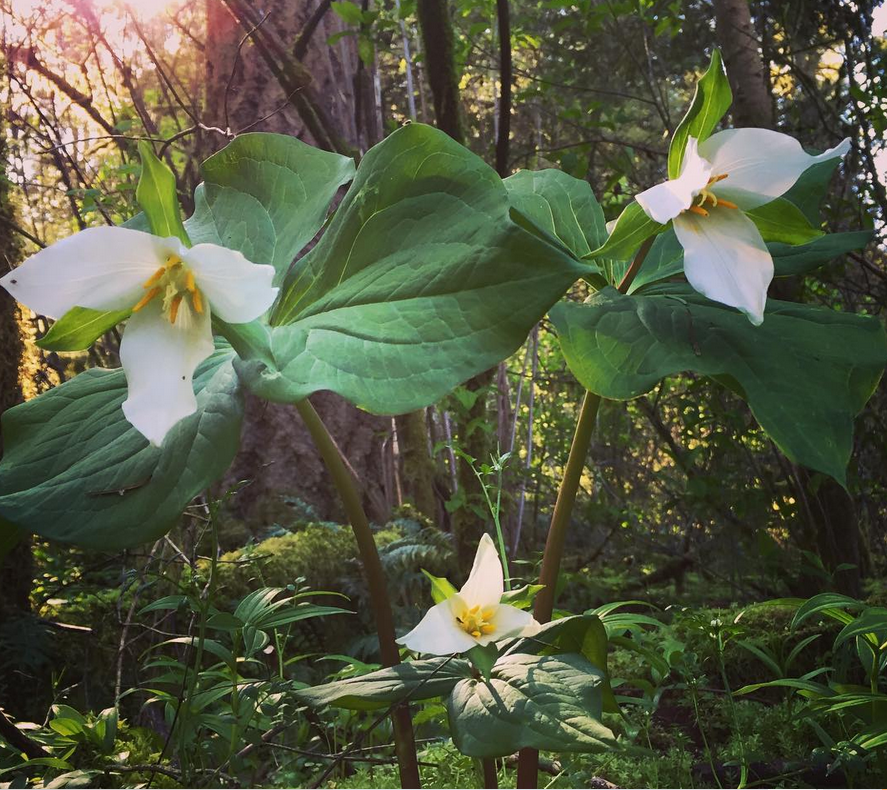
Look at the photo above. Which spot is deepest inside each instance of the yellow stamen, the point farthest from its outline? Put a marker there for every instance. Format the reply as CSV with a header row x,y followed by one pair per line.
x,y
196,301
474,609
154,277
173,260
174,308
476,622
726,204
145,299
715,179
488,613
488,629
475,634
698,210
189,282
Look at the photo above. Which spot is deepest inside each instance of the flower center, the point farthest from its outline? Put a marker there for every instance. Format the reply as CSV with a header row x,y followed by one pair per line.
x,y
174,281
707,196
476,621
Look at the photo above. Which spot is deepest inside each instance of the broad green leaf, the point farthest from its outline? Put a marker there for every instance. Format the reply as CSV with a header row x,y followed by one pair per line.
x,y
665,260
562,206
711,101
483,658
808,191
542,702
417,680
76,471
522,597
418,283
790,260
266,195
781,220
156,194
441,588
632,228
79,328
808,688
806,372
583,634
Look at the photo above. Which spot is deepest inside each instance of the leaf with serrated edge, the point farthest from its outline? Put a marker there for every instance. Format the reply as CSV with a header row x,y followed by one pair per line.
x,y
805,372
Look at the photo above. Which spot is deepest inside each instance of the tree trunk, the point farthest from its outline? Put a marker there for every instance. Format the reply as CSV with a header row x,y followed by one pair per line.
x,y
752,102
277,453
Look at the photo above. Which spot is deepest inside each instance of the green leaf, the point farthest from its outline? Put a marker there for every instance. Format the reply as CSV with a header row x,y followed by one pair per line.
x,y
418,680
522,597
808,191
871,625
542,702
806,372
266,195
441,589
584,634
782,221
562,206
807,687
829,604
483,658
418,283
632,228
665,260
348,12
79,328
790,260
710,103
76,471
156,194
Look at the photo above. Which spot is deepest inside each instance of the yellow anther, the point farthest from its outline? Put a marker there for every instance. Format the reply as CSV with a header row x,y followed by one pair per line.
x,y
145,299
475,634
189,281
715,179
476,622
196,301
173,260
698,210
488,629
154,277
726,204
474,609
174,308
488,613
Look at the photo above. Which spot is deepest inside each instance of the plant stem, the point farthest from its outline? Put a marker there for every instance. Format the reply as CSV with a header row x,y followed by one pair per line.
x,y
405,745
528,764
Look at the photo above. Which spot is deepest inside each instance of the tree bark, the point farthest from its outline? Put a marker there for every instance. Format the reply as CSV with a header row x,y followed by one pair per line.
x,y
746,70
277,453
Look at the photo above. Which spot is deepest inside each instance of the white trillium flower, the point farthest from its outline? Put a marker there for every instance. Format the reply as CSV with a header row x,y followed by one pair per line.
x,y
171,289
473,616
732,171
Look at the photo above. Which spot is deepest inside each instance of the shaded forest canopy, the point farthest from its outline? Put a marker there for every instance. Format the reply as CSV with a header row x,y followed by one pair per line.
x,y
685,503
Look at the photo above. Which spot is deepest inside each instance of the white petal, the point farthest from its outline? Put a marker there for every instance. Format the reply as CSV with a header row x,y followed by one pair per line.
x,y
760,164
510,621
666,200
238,290
726,259
486,582
159,359
438,633
101,268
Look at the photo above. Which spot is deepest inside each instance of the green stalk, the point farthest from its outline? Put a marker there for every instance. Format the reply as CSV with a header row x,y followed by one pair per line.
x,y
405,745
528,763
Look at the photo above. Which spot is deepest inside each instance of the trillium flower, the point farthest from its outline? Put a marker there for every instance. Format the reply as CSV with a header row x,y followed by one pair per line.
x,y
172,291
473,616
732,171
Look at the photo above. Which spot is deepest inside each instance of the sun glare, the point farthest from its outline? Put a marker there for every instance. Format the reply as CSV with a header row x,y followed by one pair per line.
x,y
143,9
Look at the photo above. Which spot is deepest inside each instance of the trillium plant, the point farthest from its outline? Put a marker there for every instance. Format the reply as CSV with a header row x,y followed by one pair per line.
x,y
432,269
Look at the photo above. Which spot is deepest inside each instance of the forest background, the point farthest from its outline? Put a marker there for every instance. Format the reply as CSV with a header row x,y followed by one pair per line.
x,y
683,491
